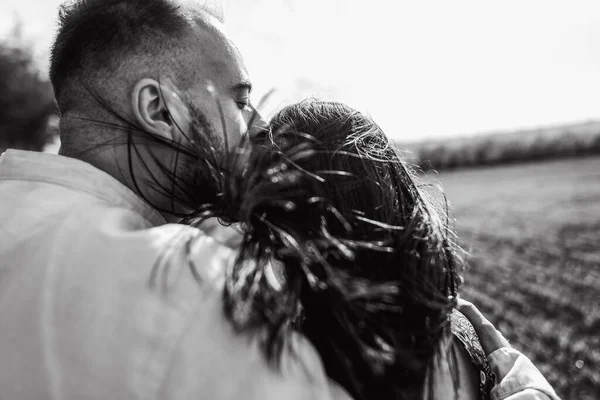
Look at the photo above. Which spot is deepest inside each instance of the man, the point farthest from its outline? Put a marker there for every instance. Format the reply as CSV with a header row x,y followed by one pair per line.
x,y
86,311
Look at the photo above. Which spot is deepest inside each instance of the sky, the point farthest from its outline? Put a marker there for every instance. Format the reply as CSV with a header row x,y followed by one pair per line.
x,y
422,69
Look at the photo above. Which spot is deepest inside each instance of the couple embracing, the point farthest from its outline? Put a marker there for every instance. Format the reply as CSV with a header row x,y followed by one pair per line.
x,y
179,247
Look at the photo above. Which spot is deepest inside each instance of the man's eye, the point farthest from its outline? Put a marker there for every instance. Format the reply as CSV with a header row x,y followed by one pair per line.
x,y
243,104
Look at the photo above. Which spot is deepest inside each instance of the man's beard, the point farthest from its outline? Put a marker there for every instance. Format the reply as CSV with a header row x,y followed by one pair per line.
x,y
202,131
198,172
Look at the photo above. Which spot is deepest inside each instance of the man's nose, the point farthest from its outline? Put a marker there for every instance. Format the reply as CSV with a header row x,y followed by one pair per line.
x,y
257,125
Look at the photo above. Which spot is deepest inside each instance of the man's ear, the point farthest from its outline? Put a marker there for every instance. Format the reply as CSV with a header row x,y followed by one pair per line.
x,y
149,108
158,109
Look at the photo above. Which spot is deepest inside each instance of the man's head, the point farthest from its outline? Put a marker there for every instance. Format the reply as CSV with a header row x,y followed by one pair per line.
x,y
110,59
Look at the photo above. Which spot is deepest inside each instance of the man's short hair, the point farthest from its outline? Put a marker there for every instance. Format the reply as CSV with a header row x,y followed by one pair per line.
x,y
97,37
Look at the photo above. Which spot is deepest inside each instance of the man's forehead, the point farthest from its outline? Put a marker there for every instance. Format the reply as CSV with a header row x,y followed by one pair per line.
x,y
218,55
229,75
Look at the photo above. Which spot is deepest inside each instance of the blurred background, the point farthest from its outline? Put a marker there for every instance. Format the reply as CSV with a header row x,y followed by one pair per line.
x,y
497,101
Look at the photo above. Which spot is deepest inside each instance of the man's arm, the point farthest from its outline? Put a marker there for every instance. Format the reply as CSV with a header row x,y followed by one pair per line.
x,y
516,376
213,361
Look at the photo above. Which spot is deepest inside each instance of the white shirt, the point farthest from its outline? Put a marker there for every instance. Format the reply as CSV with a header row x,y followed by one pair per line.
x,y
79,318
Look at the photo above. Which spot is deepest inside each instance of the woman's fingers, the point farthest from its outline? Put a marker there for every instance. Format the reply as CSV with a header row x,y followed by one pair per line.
x,y
491,339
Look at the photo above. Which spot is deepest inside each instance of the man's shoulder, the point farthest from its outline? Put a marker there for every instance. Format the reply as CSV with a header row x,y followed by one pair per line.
x,y
64,183
114,302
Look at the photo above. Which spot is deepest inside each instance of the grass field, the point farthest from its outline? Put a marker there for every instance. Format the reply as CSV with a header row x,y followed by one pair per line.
x,y
533,232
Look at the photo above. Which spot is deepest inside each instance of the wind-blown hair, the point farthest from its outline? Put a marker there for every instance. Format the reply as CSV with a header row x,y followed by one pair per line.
x,y
369,263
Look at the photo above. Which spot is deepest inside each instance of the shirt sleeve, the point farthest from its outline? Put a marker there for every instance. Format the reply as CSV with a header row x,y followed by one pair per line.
x,y
517,378
214,361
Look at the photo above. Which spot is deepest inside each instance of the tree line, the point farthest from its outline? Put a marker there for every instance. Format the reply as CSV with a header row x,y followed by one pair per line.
x,y
576,140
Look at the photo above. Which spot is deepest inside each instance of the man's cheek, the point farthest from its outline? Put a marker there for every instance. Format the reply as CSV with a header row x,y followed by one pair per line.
x,y
239,129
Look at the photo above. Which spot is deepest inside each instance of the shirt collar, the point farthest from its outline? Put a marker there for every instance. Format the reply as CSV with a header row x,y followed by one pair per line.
x,y
74,174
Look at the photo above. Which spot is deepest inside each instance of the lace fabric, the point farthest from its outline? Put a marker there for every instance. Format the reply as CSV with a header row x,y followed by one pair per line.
x,y
465,332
